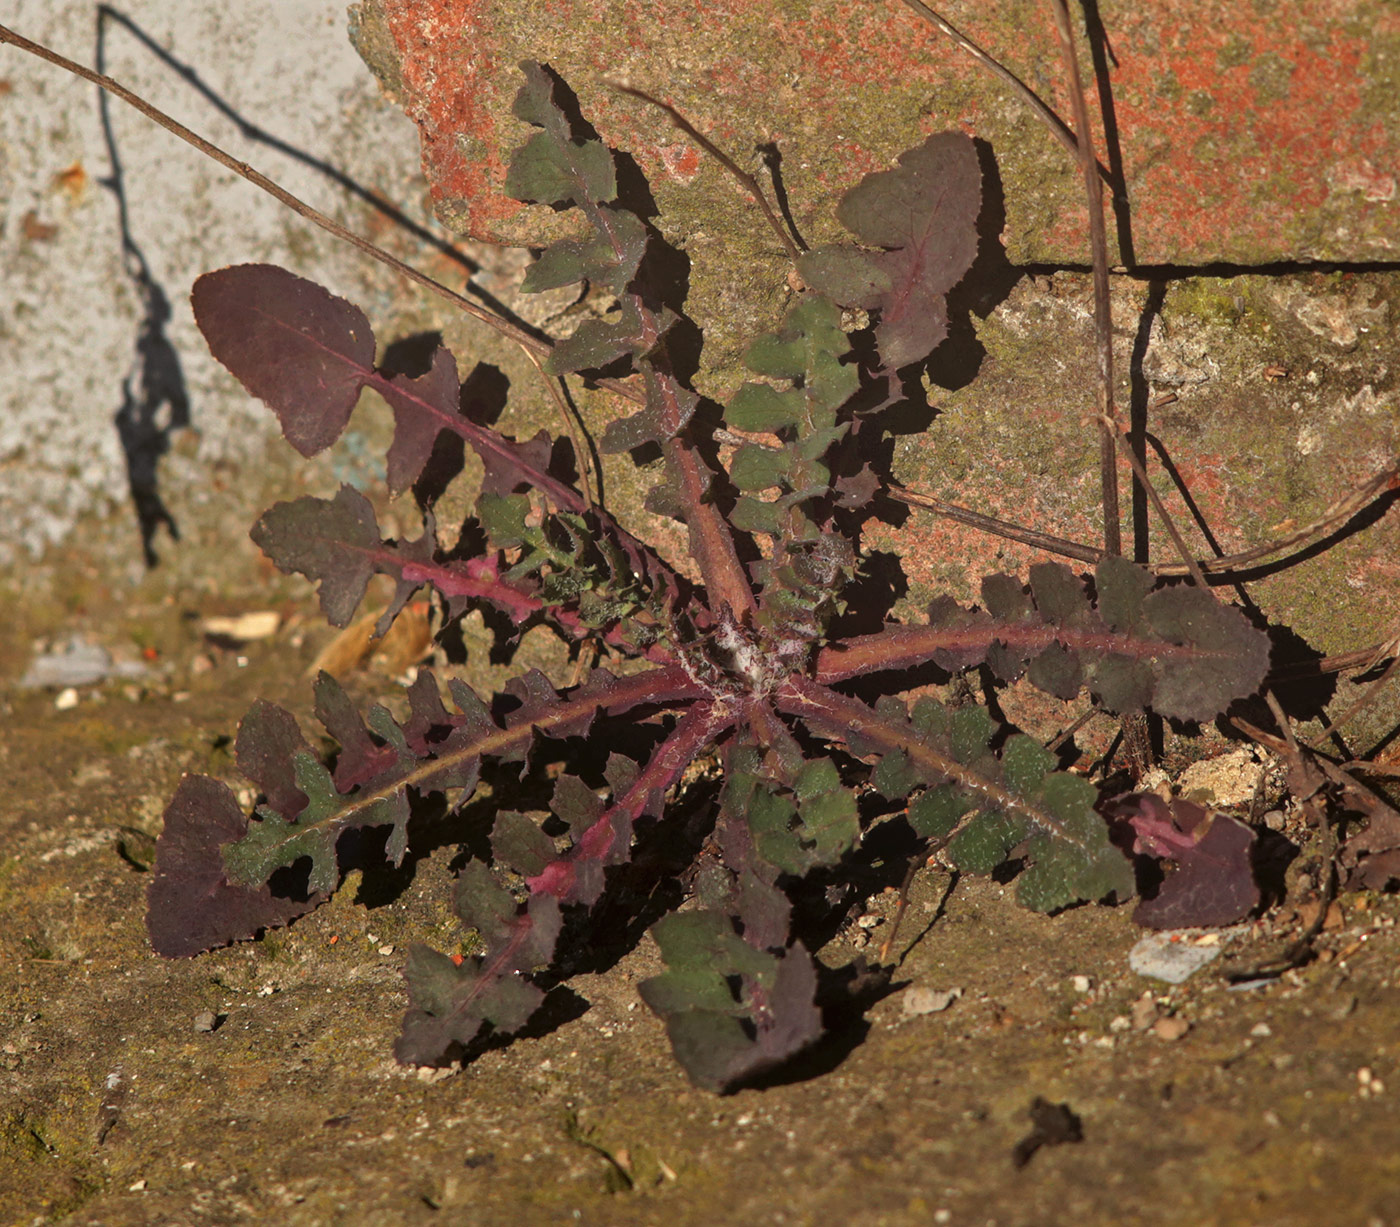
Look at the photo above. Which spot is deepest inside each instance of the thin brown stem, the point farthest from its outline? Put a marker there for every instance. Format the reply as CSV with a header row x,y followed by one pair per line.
x,y
998,528
1342,662
745,180
1368,696
1333,518
1103,323
1065,734
1115,430
574,426
531,344
1058,128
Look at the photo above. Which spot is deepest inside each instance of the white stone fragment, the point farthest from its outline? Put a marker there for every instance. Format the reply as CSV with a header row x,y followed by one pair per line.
x,y
1170,956
923,1000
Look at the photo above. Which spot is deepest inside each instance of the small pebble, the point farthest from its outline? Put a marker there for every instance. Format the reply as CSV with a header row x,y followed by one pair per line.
x,y
1082,984
870,920
1261,1030
1121,1022
386,950
66,700
923,1000
243,628
206,1020
1170,1029
1144,1012
1275,820
1170,956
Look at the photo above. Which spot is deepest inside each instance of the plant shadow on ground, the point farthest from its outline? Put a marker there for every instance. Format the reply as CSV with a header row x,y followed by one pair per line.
x,y
748,659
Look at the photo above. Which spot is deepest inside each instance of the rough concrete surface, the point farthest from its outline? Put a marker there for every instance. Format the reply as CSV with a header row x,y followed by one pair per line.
x,y
1248,132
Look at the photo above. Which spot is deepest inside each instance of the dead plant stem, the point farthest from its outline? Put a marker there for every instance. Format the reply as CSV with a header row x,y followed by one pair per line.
x,y
1103,323
745,180
1058,128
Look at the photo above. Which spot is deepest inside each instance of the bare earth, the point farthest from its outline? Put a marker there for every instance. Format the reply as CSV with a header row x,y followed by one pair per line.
x,y
1277,1106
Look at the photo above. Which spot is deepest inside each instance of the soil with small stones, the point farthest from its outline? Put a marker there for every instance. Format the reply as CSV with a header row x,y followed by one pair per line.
x,y
258,1083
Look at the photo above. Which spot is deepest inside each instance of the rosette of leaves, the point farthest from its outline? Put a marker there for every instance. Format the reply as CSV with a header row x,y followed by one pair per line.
x,y
744,666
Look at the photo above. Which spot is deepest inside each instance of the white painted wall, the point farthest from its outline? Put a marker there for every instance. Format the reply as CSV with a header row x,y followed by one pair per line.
x,y
69,312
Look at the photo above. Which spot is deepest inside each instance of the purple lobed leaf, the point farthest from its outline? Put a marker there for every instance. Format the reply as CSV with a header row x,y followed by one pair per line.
x,y
268,740
415,431
295,346
333,542
452,1003
519,844
361,757
732,1011
924,214
1213,880
191,906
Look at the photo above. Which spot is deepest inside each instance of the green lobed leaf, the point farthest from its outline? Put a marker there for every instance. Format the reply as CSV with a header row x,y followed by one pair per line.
x,y
1079,862
608,258
546,170
273,843
706,942
753,515
1025,763
518,842
970,731
761,407
597,343
985,841
936,811
894,775
816,825
758,468
503,517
